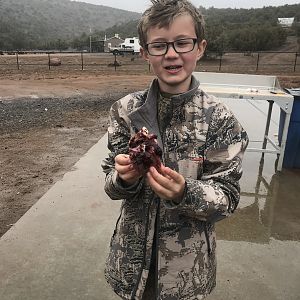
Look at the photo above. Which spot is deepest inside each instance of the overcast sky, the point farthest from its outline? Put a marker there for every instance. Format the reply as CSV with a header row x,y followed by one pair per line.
x,y
141,5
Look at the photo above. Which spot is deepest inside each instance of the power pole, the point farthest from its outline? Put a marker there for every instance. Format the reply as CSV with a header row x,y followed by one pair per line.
x,y
90,40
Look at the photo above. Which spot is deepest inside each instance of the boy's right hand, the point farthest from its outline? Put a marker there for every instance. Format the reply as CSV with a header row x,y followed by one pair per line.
x,y
125,169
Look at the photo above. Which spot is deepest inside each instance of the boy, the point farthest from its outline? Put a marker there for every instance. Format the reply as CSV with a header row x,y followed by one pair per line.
x,y
164,243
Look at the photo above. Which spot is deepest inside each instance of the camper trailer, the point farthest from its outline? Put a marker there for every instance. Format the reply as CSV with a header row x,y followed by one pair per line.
x,y
130,45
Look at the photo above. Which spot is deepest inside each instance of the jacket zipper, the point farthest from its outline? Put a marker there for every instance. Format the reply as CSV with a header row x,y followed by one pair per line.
x,y
144,258
117,224
207,238
157,226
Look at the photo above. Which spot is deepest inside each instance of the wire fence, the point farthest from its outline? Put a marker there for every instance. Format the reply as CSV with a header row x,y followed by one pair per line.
x,y
250,62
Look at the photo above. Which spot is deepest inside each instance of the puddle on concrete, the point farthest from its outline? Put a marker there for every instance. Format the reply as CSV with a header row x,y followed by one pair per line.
x,y
270,201
269,205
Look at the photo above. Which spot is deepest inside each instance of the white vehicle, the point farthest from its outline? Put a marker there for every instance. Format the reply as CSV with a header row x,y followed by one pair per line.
x,y
130,45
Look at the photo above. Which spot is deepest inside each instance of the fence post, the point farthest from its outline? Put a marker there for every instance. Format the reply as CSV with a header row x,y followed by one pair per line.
x,y
18,60
49,60
257,62
295,65
81,61
115,63
220,63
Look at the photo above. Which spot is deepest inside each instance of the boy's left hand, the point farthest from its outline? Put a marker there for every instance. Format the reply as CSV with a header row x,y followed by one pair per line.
x,y
168,184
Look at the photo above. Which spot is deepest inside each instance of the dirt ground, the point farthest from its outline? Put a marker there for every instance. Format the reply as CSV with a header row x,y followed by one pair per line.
x,y
48,120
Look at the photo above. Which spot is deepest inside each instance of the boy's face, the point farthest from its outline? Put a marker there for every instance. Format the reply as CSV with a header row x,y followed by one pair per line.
x,y
174,70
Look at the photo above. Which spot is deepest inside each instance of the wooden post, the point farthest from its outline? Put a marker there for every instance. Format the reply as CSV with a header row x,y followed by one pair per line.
x,y
18,60
295,64
81,61
257,62
49,60
220,63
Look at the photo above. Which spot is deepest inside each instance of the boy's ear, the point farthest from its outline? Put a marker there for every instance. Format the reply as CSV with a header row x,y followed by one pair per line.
x,y
201,48
144,53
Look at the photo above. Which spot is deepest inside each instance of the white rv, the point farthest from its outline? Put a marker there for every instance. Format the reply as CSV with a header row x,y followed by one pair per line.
x,y
130,45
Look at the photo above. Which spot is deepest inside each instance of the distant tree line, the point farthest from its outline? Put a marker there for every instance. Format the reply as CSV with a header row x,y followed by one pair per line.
x,y
246,37
248,29
229,29
226,30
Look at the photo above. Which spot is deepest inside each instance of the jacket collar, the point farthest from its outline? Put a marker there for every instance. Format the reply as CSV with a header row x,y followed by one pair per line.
x,y
146,115
181,98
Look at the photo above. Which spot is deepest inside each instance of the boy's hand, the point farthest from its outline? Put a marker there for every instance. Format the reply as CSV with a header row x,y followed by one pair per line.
x,y
125,169
168,184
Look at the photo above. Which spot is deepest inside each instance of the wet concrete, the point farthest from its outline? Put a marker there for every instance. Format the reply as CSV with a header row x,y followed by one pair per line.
x,y
258,246
269,208
270,200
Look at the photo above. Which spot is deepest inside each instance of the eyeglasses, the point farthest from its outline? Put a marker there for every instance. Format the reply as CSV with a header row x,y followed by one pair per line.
x,y
180,46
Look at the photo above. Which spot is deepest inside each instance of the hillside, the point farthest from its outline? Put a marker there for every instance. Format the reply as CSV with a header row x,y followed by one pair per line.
x,y
59,24
235,29
28,23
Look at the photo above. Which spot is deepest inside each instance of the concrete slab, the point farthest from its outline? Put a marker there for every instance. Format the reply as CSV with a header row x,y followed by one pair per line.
x,y
250,271
57,249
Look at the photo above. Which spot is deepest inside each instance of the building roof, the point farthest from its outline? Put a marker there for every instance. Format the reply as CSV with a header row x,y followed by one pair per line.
x,y
116,36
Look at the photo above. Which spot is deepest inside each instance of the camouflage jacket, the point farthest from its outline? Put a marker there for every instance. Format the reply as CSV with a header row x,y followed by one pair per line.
x,y
205,143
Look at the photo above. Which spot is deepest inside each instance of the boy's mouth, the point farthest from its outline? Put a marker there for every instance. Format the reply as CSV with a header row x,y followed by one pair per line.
x,y
175,67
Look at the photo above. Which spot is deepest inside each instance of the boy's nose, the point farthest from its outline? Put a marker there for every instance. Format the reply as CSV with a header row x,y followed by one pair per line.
x,y
171,51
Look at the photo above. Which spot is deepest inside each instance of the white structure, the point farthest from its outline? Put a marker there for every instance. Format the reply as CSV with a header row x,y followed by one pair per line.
x,y
130,45
286,22
252,88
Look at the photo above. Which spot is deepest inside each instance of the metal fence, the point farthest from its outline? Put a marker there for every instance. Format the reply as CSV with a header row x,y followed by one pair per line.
x,y
250,62
259,60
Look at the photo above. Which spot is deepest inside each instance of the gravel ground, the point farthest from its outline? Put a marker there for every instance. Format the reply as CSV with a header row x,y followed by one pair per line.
x,y
23,114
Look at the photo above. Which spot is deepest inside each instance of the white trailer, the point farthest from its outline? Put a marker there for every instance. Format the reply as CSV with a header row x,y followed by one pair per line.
x,y
130,45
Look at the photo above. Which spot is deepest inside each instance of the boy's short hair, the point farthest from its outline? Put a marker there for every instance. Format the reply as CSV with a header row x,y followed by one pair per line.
x,y
163,12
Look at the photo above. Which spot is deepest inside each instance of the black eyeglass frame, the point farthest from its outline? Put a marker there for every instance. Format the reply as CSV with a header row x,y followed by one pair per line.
x,y
173,45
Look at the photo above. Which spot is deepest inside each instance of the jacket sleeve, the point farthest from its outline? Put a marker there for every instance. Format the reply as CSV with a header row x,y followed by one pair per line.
x,y
118,138
216,194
